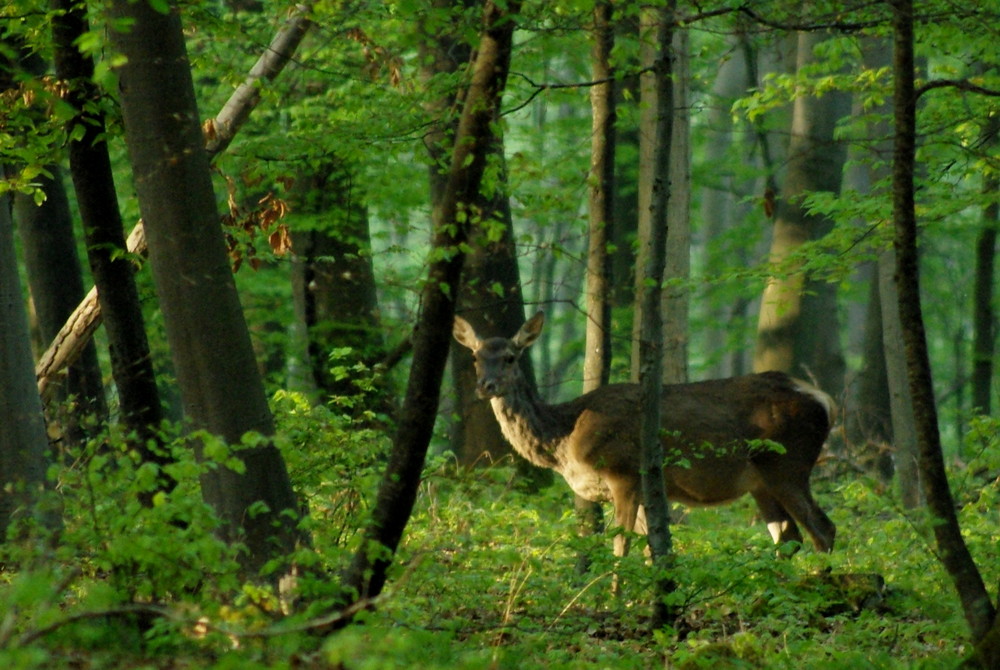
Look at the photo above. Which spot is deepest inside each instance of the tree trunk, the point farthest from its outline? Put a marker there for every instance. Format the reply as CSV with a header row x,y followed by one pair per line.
x,y
789,338
601,192
983,315
366,575
904,425
54,276
82,323
56,281
677,268
221,388
952,550
877,55
333,286
114,275
23,441
491,299
656,35
724,206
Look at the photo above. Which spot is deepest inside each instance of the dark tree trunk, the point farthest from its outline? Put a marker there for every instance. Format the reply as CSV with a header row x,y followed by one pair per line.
x,y
56,281
657,37
23,441
980,613
80,327
221,388
333,284
114,276
397,492
983,315
492,301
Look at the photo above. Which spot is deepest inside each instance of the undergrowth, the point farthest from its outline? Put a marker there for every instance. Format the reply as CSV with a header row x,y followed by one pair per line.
x,y
486,577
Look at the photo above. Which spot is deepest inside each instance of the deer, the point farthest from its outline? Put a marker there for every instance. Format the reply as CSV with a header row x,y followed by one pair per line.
x,y
759,434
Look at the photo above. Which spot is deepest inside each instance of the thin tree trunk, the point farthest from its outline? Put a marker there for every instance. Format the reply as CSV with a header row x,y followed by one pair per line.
x,y
52,264
677,268
877,55
656,36
904,426
952,550
983,314
597,346
366,575
221,388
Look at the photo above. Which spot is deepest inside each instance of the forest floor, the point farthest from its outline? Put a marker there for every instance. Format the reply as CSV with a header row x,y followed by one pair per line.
x,y
487,578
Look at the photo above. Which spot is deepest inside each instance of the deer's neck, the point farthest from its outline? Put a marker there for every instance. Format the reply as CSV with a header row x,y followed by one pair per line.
x,y
536,430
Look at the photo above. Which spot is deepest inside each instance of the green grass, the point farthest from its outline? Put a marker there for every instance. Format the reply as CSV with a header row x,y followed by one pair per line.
x,y
486,578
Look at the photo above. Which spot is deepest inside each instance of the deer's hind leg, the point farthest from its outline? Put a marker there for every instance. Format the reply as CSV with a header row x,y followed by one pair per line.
x,y
780,523
797,501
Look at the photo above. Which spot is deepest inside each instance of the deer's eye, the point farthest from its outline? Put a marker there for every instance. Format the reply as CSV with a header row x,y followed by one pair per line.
x,y
510,359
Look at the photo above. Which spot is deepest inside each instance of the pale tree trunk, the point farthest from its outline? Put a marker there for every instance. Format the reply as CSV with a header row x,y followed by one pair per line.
x,y
980,613
601,216
23,441
724,205
366,575
797,325
677,270
221,388
656,35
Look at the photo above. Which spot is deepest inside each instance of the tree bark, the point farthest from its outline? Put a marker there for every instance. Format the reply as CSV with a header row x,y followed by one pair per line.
x,y
983,314
788,336
677,265
980,613
83,322
55,277
114,275
601,219
23,441
333,285
221,388
366,575
657,95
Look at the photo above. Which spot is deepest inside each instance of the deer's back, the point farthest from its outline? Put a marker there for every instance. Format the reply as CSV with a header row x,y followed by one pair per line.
x,y
706,429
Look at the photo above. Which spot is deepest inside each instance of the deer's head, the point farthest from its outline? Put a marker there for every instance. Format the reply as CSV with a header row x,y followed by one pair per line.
x,y
497,369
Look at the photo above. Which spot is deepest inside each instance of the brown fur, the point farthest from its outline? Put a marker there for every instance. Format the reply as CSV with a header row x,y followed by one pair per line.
x,y
712,432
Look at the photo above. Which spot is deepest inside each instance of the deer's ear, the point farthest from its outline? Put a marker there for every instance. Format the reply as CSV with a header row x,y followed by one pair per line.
x,y
465,334
530,331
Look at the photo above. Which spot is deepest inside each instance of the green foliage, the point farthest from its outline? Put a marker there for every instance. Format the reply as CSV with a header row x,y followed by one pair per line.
x,y
485,577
